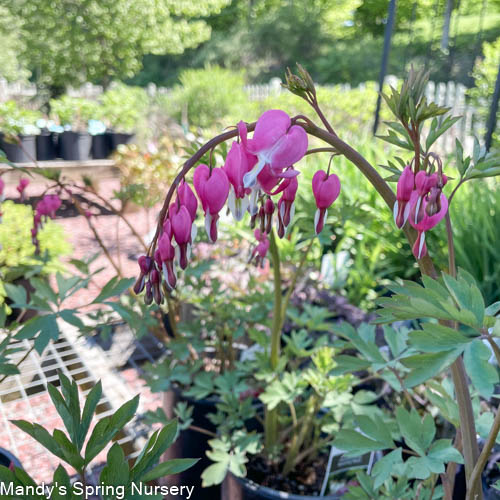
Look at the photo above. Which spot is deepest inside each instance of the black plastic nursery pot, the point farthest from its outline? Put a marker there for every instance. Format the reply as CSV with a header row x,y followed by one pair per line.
x,y
192,444
7,458
45,147
75,146
100,146
117,138
25,152
240,488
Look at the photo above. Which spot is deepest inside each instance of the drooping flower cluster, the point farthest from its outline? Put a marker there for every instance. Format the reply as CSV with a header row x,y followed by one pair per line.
x,y
45,208
420,200
255,170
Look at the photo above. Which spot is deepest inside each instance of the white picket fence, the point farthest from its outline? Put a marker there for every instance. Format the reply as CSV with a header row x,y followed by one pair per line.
x,y
448,94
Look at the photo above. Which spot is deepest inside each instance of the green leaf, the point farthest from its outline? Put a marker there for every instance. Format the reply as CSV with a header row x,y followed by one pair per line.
x,y
355,444
41,435
375,428
443,450
425,366
70,421
214,474
493,309
170,467
113,287
417,433
70,317
8,369
16,293
396,340
116,471
483,375
91,403
107,428
383,468
73,458
349,364
437,338
152,451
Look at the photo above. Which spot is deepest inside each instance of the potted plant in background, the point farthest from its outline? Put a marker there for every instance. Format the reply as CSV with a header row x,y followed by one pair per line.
x,y
101,147
47,140
74,113
18,131
122,108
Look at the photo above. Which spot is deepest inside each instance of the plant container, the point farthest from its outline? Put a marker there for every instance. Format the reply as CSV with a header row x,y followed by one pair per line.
x,y
241,488
194,444
117,138
7,458
75,146
100,146
25,152
191,444
45,147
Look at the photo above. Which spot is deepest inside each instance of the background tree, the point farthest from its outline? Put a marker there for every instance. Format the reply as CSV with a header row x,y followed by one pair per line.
x,y
68,42
11,67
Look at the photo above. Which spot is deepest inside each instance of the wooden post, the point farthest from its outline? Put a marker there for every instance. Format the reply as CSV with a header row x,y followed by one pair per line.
x,y
385,58
492,119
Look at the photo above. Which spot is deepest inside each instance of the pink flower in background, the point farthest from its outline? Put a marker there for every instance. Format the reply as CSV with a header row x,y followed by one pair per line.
x,y
45,208
23,184
212,188
406,184
326,189
276,143
260,251
2,187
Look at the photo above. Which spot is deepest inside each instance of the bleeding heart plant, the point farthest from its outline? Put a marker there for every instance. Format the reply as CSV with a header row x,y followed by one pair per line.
x,y
259,169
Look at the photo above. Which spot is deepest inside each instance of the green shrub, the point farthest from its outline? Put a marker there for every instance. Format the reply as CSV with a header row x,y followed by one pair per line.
x,y
74,111
123,107
485,75
15,119
16,248
207,96
475,214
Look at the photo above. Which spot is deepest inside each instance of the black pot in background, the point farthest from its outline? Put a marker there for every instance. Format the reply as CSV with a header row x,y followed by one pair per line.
x,y
24,153
45,147
100,146
7,458
117,138
240,488
75,146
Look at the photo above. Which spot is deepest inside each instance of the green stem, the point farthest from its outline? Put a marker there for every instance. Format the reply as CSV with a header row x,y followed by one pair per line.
x,y
299,438
271,416
277,310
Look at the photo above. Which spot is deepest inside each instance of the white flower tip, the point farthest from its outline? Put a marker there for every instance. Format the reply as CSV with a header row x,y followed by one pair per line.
x,y
249,179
